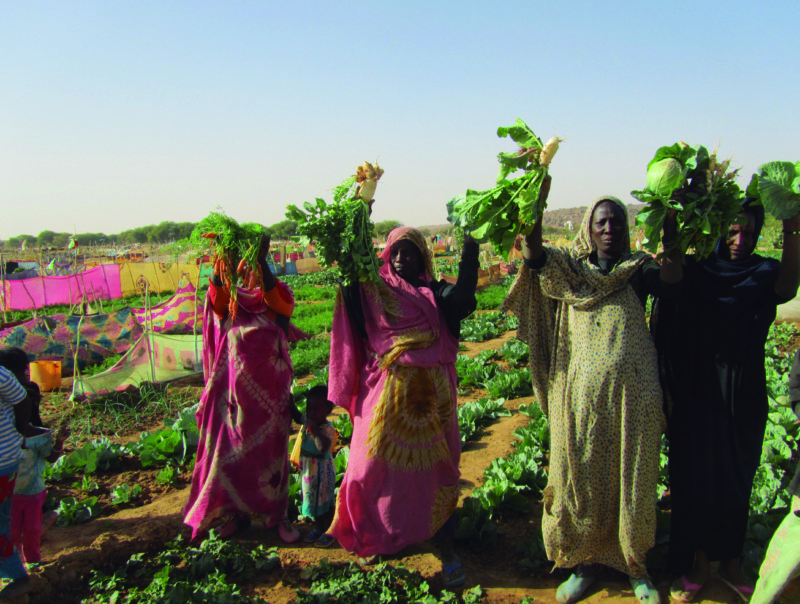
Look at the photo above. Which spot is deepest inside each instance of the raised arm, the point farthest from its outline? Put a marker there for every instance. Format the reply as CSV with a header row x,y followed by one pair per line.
x,y
789,277
671,266
532,243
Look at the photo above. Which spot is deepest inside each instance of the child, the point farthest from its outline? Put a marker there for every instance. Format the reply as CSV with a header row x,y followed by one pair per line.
x,y
14,413
317,471
30,492
16,361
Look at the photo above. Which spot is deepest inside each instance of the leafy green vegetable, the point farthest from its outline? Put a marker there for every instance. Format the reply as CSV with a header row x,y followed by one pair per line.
x,y
699,188
777,185
341,231
513,206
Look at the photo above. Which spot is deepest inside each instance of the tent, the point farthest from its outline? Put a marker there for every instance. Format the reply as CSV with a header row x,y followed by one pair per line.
x,y
154,358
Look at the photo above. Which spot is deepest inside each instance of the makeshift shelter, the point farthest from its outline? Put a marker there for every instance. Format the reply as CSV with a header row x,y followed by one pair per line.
x,y
154,358
58,337
177,315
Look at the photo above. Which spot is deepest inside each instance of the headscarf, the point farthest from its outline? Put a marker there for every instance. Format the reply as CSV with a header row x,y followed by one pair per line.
x,y
583,244
418,239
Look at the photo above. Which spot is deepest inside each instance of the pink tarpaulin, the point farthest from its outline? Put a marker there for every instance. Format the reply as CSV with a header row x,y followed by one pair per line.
x,y
99,283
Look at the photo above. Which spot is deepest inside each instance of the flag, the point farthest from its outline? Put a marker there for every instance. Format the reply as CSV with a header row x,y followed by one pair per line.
x,y
52,266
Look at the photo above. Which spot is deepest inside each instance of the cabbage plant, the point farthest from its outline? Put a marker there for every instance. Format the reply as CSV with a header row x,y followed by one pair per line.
x,y
701,190
777,185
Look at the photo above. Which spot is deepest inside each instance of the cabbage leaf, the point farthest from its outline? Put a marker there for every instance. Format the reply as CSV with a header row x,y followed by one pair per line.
x,y
512,207
777,185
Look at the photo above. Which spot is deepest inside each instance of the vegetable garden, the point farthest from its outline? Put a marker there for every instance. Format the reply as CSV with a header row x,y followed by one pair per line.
x,y
121,487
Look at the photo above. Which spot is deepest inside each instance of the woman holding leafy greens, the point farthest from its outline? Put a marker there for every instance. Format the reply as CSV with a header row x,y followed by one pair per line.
x,y
244,414
393,349
711,342
595,374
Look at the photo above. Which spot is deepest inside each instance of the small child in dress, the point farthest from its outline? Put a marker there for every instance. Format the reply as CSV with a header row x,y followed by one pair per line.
x,y
317,471
30,492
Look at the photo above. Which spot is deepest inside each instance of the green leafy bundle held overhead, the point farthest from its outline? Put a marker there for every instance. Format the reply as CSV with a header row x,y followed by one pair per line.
x,y
702,191
234,248
342,231
777,185
512,207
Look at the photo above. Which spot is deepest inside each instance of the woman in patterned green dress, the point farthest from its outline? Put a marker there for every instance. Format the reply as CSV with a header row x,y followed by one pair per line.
x,y
593,363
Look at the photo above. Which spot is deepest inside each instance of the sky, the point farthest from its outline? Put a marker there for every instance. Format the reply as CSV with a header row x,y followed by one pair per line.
x,y
115,115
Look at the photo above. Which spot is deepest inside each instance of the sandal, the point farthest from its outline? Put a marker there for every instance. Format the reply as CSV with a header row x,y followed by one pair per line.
x,y
644,589
313,536
325,541
453,575
287,532
573,588
743,591
684,591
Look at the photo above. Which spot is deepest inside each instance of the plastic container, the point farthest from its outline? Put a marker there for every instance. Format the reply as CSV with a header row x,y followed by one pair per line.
x,y
46,374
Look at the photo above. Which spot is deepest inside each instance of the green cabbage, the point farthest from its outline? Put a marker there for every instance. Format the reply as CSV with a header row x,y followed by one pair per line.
x,y
777,185
665,176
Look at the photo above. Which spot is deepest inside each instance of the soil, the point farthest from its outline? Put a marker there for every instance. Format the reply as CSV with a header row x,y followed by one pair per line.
x,y
70,553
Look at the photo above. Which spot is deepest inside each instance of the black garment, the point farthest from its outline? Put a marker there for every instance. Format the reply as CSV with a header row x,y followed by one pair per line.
x,y
645,282
711,355
456,301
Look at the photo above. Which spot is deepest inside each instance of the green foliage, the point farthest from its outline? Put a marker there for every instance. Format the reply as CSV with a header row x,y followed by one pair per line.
x,y
513,206
515,353
72,511
185,573
285,229
98,454
383,228
777,185
473,415
175,444
315,293
313,319
342,233
472,373
125,493
485,326
347,583
327,277
310,354
700,189
491,297
343,426
512,383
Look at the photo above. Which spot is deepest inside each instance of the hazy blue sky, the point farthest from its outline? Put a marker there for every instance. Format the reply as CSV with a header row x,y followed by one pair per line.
x,y
115,115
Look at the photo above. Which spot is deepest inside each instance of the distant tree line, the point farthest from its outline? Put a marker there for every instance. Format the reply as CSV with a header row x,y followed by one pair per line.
x,y
163,232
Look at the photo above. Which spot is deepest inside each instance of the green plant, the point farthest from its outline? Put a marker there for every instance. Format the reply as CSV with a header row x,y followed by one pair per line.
x,y
72,511
125,493
308,355
513,206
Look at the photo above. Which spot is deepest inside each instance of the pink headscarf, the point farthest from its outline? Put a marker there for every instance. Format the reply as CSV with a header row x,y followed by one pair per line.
x,y
415,237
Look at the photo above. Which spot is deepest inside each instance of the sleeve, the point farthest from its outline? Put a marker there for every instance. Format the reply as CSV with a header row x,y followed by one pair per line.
x,y
538,264
220,298
351,296
280,299
457,301
654,286
11,391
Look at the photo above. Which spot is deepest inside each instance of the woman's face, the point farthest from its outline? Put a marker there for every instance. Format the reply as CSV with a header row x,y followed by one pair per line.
x,y
406,260
741,239
608,230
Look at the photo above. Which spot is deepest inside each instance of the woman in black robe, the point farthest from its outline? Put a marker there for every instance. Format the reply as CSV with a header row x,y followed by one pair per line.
x,y
711,348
